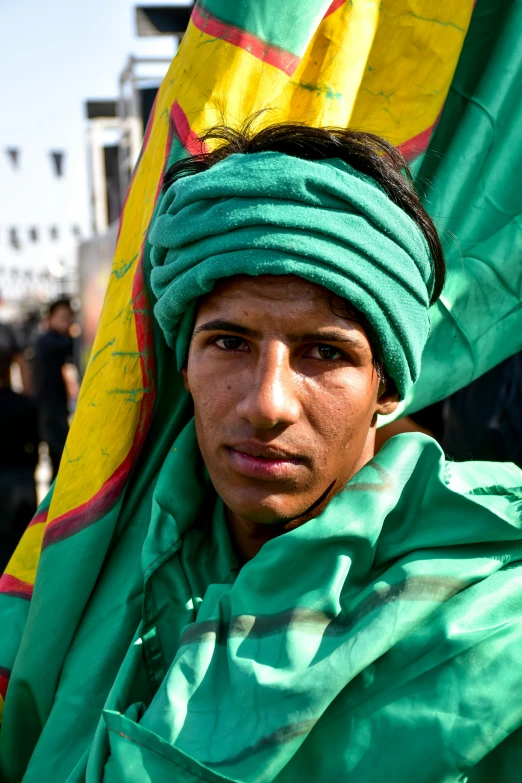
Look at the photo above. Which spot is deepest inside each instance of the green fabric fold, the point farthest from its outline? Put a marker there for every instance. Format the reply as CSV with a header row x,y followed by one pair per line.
x,y
378,637
323,221
392,622
381,624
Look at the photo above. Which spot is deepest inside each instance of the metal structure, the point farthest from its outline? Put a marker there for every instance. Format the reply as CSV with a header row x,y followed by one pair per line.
x,y
163,19
115,133
139,82
116,127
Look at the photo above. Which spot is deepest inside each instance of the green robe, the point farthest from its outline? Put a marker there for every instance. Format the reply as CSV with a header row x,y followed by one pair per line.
x,y
380,641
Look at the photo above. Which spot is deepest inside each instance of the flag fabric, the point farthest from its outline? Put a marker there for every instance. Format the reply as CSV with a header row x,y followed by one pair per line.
x,y
384,67
471,190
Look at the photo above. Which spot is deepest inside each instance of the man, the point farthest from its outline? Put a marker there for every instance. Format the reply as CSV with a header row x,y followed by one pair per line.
x,y
308,611
18,460
54,386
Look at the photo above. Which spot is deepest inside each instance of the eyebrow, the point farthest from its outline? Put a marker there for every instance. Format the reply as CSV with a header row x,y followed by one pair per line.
x,y
218,325
332,335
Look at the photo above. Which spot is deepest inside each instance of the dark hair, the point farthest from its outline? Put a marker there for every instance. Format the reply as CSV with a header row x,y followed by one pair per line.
x,y
365,152
62,302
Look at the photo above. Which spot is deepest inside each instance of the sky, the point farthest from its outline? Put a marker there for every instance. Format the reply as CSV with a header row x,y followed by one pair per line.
x,y
53,57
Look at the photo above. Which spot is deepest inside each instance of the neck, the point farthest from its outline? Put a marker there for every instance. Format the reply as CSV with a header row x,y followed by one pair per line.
x,y
249,536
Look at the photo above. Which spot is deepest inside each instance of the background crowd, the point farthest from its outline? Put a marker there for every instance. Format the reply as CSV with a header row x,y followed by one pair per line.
x,y
38,359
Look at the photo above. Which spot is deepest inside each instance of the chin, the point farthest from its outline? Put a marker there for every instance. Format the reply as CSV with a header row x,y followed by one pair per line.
x,y
269,509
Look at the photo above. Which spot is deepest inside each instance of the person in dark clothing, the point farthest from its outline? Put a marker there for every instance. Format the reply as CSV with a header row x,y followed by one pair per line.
x,y
28,332
18,460
483,421
11,343
53,354
8,340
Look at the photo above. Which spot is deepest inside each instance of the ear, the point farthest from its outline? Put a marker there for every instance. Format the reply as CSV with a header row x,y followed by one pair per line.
x,y
388,400
184,375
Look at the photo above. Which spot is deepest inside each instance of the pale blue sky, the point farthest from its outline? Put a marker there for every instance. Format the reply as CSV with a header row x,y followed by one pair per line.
x,y
55,54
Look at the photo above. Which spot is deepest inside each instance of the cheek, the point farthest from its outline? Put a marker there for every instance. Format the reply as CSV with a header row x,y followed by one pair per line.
x,y
342,408
213,396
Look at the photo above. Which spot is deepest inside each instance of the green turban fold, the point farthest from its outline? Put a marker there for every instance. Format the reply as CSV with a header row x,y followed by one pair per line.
x,y
273,214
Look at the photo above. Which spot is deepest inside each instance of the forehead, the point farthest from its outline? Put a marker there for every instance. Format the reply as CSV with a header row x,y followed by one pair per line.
x,y
266,290
62,310
279,301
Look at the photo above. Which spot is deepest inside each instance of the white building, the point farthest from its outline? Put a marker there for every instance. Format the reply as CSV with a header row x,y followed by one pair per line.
x,y
39,229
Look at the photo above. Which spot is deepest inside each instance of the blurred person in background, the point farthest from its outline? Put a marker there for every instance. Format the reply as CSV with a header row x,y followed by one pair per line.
x,y
10,343
56,379
28,331
18,460
482,421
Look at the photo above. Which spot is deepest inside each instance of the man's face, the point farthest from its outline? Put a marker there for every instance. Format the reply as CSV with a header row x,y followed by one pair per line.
x,y
61,319
285,395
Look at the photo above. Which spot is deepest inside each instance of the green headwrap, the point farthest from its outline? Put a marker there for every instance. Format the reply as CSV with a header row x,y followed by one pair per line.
x,y
269,213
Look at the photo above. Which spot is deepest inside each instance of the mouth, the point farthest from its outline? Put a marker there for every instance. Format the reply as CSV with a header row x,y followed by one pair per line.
x,y
263,462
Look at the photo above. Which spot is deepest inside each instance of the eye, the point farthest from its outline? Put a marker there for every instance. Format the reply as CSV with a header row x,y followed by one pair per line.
x,y
325,353
230,343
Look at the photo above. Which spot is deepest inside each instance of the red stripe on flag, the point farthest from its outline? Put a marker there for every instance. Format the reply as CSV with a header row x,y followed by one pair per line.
x,y
94,509
417,144
39,517
273,55
184,132
334,7
4,681
17,588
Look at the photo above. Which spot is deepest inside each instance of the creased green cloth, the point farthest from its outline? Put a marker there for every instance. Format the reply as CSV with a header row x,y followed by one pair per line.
x,y
270,213
381,641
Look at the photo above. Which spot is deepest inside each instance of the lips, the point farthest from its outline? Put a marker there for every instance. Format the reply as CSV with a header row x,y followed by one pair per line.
x,y
263,462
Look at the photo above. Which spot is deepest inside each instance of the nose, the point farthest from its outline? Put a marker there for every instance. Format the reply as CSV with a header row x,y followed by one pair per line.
x,y
272,397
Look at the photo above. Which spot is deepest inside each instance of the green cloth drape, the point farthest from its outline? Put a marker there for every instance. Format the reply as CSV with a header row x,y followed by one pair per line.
x,y
382,640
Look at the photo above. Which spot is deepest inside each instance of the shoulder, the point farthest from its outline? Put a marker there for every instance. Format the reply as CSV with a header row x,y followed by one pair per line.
x,y
43,339
8,339
57,343
12,402
435,503
424,461
486,480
